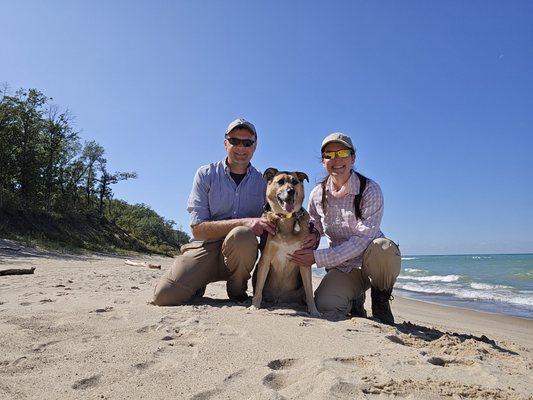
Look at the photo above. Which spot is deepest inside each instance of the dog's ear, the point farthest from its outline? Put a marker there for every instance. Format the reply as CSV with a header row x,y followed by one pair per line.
x,y
270,173
301,176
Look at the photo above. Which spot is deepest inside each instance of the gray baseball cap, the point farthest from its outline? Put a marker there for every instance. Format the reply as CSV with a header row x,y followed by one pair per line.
x,y
241,123
338,137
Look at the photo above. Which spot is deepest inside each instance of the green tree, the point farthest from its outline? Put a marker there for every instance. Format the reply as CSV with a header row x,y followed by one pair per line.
x,y
93,154
107,179
60,143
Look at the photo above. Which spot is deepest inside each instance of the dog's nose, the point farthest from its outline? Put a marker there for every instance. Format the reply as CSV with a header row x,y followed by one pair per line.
x,y
290,191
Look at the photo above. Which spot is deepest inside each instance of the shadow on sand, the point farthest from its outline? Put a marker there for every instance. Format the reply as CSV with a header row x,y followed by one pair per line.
x,y
431,334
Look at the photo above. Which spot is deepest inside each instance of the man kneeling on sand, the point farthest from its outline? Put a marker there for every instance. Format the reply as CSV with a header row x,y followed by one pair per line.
x,y
225,207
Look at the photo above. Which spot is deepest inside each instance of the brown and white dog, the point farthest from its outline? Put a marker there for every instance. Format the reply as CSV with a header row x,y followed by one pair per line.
x,y
276,277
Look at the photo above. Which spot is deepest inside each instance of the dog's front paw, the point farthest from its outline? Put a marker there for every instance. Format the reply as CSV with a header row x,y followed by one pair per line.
x,y
253,308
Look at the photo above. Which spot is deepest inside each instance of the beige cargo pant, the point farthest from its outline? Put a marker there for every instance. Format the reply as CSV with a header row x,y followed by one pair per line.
x,y
339,290
200,263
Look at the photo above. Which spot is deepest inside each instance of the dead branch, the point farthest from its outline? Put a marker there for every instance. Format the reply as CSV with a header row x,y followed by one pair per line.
x,y
142,264
17,271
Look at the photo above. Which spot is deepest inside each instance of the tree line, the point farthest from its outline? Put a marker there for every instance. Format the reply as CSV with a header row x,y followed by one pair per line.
x,y
45,167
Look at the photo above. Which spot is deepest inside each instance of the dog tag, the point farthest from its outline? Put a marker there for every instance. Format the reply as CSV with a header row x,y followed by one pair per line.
x,y
296,226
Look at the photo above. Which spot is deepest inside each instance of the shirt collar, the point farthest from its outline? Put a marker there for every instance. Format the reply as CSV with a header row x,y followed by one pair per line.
x,y
354,187
227,170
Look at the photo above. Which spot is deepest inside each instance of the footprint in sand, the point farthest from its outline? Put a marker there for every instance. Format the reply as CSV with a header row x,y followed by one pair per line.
x,y
343,362
86,383
103,310
343,390
223,390
90,338
234,375
143,366
282,363
147,328
275,381
43,346
280,380
340,372
207,394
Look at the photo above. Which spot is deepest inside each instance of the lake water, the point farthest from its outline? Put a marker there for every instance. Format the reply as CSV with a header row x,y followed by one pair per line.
x,y
498,283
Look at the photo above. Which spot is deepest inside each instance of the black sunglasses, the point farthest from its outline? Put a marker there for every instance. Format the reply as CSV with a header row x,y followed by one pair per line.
x,y
236,141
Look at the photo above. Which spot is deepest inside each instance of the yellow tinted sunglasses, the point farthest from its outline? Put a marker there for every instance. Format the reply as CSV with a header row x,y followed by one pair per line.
x,y
328,155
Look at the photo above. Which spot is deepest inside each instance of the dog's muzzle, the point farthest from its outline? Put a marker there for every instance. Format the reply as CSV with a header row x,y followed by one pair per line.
x,y
286,199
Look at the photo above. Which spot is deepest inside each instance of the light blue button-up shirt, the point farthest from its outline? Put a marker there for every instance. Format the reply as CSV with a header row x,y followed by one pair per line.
x,y
215,196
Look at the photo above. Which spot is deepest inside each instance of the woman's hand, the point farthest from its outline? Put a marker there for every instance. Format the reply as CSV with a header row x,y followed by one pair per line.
x,y
303,257
310,241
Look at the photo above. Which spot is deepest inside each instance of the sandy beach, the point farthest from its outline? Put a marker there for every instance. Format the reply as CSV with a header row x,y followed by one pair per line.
x,y
82,326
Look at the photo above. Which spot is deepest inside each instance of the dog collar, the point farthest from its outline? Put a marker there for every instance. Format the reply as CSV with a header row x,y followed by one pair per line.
x,y
298,214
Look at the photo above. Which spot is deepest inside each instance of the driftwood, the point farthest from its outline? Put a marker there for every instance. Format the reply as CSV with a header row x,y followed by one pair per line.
x,y
10,248
17,271
142,264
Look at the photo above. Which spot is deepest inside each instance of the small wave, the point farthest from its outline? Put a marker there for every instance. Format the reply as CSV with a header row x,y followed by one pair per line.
x,y
413,270
504,296
481,258
409,258
432,278
415,287
525,275
487,286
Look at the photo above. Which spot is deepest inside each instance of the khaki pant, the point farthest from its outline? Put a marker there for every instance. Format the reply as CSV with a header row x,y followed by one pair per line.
x,y
339,290
231,260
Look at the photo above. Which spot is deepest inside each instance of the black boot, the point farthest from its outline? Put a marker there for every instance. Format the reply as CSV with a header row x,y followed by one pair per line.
x,y
358,307
380,305
200,292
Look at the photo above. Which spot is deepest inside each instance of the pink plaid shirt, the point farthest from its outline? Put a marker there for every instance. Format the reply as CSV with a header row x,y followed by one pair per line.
x,y
348,236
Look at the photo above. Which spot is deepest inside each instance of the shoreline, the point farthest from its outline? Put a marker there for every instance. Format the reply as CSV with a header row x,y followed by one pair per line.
x,y
480,306
444,304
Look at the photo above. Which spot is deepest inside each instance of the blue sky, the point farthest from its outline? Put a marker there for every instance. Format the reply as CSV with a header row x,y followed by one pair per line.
x,y
437,97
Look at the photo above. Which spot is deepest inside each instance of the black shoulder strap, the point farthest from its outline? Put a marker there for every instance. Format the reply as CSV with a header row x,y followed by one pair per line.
x,y
357,199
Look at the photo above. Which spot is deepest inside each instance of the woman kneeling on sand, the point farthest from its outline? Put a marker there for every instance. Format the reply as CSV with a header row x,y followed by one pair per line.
x,y
347,208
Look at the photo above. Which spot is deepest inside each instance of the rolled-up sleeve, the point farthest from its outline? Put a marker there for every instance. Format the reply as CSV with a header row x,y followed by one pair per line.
x,y
198,203
366,230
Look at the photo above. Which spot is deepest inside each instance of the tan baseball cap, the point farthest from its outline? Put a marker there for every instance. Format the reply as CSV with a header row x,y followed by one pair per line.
x,y
338,137
241,123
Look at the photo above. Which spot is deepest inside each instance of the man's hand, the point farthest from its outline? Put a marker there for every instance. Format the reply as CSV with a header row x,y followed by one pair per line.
x,y
303,257
260,225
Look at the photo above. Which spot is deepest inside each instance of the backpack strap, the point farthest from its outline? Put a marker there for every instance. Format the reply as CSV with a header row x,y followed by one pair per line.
x,y
357,199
